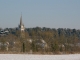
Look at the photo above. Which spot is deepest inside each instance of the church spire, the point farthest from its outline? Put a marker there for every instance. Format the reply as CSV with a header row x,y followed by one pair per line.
x,y
21,19
21,26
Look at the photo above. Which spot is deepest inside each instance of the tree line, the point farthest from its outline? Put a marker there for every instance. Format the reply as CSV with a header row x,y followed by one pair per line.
x,y
58,40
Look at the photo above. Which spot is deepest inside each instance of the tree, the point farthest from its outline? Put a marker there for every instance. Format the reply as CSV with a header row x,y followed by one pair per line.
x,y
23,47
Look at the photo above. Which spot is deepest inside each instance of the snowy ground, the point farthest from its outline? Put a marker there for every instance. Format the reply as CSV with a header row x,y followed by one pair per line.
x,y
39,57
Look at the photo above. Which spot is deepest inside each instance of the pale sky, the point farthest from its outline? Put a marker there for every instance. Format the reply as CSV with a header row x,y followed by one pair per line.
x,y
41,13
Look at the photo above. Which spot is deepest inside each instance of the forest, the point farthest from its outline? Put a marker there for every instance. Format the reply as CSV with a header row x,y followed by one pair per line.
x,y
61,40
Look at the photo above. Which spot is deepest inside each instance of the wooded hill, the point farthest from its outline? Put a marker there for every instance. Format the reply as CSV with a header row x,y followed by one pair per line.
x,y
58,40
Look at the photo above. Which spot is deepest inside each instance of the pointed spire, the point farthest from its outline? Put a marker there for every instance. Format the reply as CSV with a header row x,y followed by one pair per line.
x,y
21,26
21,19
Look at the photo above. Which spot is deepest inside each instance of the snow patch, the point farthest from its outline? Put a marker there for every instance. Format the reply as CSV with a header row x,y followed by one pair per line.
x,y
39,57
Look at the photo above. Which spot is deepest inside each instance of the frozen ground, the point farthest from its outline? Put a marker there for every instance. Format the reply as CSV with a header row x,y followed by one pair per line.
x,y
39,57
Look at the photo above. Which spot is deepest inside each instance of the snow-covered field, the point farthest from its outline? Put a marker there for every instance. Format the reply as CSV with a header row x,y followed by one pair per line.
x,y
39,57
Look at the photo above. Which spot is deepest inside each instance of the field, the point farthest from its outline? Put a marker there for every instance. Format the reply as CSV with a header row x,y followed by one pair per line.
x,y
39,57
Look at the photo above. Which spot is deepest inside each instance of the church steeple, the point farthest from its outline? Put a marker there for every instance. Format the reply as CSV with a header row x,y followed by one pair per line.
x,y
21,19
21,26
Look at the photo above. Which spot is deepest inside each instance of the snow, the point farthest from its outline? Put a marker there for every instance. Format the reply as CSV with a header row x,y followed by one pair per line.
x,y
39,57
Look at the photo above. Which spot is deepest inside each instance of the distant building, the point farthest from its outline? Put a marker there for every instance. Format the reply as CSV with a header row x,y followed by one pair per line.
x,y
21,26
3,33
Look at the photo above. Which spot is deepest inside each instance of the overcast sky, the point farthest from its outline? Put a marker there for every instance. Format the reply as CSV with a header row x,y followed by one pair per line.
x,y
42,13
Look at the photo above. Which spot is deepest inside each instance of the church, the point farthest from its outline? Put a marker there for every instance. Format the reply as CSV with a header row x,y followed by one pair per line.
x,y
21,28
21,25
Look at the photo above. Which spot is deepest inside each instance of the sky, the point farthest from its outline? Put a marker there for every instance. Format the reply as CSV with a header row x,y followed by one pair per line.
x,y
40,13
